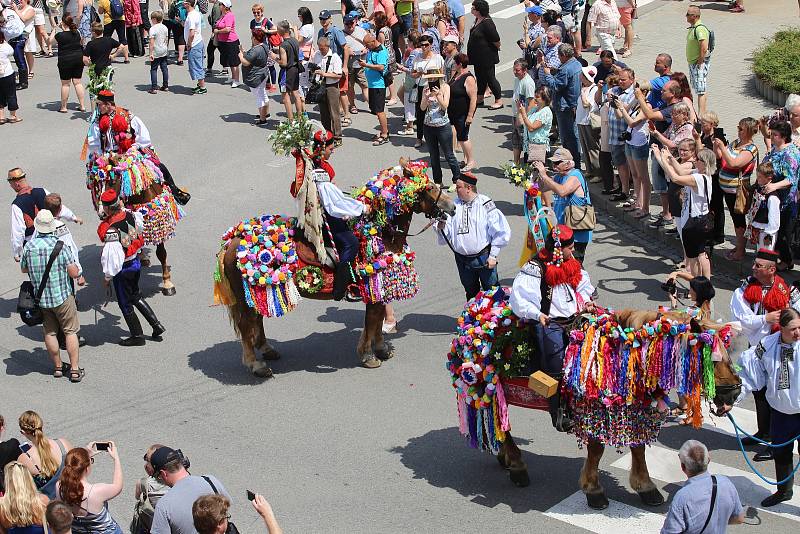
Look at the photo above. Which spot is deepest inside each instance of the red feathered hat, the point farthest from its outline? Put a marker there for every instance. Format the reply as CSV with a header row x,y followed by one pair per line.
x,y
119,123
109,197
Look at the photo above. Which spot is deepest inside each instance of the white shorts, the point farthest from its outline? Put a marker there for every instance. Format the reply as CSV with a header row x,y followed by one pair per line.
x,y
30,44
38,17
260,93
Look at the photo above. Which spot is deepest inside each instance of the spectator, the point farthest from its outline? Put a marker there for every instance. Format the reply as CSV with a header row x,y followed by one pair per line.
x,y
449,53
57,300
387,8
59,517
404,9
792,108
338,43
193,36
45,459
686,94
459,17
444,23
88,502
15,28
663,68
627,12
533,34
144,25
22,508
288,59
256,76
173,511
570,189
483,51
214,14
621,96
377,68
329,72
384,35
159,52
604,18
785,158
8,89
524,103
305,37
39,29
9,451
608,65
355,35
427,61
586,117
210,514
764,217
611,185
100,52
113,24
265,511
438,134
738,159
409,89
133,19
536,126
698,54
176,18
696,200
548,55
566,89
637,153
148,492
428,24
461,110
228,39
27,15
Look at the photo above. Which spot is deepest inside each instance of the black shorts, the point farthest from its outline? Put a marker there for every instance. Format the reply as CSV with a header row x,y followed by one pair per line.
x,y
177,32
377,99
291,79
116,26
694,243
70,70
461,126
229,53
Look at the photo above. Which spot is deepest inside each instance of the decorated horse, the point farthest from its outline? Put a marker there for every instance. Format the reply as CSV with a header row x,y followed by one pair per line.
x,y
618,369
136,177
267,263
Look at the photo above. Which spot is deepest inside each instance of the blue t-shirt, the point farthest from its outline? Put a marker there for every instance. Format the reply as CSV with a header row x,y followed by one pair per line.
x,y
656,87
456,10
336,39
379,56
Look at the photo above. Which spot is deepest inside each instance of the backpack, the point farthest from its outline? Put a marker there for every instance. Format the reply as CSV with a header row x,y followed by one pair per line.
x,y
117,10
202,5
711,38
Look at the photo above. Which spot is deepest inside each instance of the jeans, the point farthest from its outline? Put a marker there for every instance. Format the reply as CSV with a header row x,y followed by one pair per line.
x,y
18,43
159,63
474,274
568,130
441,137
126,285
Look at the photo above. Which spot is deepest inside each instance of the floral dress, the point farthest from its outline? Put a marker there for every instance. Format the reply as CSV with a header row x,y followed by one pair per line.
x,y
385,37
85,24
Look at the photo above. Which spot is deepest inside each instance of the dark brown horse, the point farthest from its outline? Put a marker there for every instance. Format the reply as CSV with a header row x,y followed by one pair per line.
x,y
249,324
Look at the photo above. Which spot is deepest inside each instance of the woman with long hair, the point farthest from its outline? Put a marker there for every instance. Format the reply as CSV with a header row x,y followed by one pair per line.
x,y
45,459
305,35
686,93
89,501
70,61
22,508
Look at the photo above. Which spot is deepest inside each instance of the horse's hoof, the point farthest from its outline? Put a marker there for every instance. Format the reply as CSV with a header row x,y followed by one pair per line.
x,y
519,477
385,355
652,497
168,291
501,459
371,363
597,501
262,372
271,354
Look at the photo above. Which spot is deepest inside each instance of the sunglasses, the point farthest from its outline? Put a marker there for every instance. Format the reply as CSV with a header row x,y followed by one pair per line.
x,y
257,12
425,44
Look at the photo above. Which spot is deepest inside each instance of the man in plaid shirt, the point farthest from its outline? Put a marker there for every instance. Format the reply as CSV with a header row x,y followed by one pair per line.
x,y
622,95
58,300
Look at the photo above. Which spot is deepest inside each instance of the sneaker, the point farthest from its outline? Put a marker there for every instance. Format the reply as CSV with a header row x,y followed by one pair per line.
x,y
234,85
153,91
656,218
619,196
164,88
209,72
199,90
660,223
669,226
224,72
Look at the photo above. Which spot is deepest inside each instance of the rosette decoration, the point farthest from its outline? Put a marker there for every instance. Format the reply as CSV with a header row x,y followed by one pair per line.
x,y
161,216
133,170
266,257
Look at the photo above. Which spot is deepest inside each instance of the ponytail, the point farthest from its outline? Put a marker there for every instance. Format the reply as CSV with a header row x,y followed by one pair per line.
x,y
70,22
70,485
31,423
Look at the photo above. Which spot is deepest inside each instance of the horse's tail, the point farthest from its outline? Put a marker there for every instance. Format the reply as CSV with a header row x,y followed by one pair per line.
x,y
223,293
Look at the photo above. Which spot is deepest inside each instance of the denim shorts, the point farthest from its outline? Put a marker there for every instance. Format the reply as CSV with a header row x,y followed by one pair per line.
x,y
195,57
405,23
641,152
658,177
618,155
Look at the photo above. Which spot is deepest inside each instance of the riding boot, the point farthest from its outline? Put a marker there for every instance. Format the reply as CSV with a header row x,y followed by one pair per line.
x,y
150,316
557,406
341,279
137,335
181,196
784,493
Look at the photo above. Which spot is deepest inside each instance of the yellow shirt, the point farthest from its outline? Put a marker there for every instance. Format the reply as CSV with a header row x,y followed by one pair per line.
x,y
104,7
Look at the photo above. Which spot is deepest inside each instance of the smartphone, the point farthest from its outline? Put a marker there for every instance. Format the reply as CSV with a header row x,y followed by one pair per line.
x,y
102,445
719,133
251,496
433,83
698,127
25,447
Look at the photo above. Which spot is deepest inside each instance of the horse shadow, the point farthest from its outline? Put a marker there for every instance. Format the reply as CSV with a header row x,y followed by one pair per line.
x,y
480,477
675,435
223,363
409,324
509,208
24,362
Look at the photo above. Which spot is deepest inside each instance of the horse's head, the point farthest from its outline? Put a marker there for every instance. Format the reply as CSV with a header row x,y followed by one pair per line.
x,y
434,202
98,187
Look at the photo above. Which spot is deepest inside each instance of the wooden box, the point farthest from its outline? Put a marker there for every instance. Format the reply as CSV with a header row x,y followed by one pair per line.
x,y
543,384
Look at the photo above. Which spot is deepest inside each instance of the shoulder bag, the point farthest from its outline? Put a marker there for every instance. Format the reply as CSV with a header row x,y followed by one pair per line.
x,y
231,527
713,500
318,91
744,197
703,224
581,217
28,303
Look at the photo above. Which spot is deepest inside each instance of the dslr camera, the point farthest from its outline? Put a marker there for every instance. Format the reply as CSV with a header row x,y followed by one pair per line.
x,y
626,136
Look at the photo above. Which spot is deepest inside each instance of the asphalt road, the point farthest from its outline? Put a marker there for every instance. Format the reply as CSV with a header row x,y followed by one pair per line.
x,y
333,447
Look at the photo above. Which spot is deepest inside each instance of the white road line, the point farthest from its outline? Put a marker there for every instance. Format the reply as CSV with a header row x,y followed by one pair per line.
x,y
515,10
428,4
663,465
618,517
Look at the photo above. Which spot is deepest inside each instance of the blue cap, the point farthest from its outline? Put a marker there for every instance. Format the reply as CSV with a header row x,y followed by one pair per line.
x,y
348,18
355,14
324,14
535,9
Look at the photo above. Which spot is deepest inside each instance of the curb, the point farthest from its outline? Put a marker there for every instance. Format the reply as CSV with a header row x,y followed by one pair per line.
x,y
770,93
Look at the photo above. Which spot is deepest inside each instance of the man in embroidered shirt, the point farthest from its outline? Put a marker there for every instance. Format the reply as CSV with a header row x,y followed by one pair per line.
x,y
58,301
25,206
774,365
476,233
692,508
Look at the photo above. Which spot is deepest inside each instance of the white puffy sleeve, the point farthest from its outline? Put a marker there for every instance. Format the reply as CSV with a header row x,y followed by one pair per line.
x,y
447,231
112,258
526,295
336,204
93,138
753,372
499,231
774,218
751,323
139,218
17,231
66,214
585,288
141,131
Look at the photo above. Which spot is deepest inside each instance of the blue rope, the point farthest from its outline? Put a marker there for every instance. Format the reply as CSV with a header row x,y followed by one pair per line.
x,y
738,429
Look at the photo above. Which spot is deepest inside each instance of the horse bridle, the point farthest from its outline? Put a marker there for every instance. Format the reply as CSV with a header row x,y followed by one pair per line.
x,y
433,217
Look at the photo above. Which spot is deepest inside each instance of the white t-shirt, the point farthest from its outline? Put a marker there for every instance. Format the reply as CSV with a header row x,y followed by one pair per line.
x,y
306,32
695,202
640,134
358,50
6,53
14,26
435,62
194,21
582,113
335,65
159,33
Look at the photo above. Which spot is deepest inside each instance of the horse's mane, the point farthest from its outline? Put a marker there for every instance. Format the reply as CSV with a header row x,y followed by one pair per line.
x,y
392,192
134,171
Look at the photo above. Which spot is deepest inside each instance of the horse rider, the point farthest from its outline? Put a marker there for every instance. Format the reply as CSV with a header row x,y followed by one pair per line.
x,y
476,234
120,233
550,290
115,129
338,207
773,364
756,304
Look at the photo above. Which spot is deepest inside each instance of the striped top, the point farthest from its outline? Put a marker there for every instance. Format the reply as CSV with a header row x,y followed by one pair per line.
x,y
729,176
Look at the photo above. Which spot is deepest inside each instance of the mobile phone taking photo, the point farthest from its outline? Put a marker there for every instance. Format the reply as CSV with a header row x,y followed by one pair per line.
x,y
25,447
102,445
251,496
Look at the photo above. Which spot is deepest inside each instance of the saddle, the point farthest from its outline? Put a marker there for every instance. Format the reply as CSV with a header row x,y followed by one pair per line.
x,y
310,269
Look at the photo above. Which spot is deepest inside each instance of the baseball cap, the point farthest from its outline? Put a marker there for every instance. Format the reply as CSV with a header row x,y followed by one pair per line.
x,y
590,72
226,3
162,456
450,39
324,14
348,18
44,223
561,154
535,9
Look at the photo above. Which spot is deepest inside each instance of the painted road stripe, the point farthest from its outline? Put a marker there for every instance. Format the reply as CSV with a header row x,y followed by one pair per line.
x,y
618,517
428,4
663,465
515,10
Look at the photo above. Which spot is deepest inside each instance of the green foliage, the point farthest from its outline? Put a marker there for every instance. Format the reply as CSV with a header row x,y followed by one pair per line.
x,y
777,62
293,134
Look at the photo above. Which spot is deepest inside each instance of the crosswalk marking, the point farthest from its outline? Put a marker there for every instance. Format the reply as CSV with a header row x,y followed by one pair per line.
x,y
663,465
517,9
618,517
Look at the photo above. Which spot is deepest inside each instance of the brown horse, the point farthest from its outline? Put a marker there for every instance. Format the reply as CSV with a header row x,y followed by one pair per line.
x,y
727,382
249,324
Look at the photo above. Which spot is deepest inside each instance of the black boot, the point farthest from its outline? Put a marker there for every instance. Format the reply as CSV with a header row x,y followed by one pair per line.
x,y
150,316
137,336
341,279
784,493
558,410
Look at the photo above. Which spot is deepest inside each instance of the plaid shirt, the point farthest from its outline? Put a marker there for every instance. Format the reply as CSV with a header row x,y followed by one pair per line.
x,y
616,126
550,59
34,259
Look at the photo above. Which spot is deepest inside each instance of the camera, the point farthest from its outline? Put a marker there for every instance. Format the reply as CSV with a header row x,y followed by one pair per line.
x,y
312,67
670,287
626,136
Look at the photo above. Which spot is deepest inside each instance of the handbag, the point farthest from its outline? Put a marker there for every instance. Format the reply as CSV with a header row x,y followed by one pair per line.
x,y
318,90
28,303
703,224
744,197
580,217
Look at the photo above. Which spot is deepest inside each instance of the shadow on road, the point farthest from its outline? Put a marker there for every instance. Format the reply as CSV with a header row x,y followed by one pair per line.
x,y
25,362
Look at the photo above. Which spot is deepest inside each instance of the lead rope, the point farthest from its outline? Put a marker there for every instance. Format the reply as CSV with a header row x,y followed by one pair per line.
x,y
738,430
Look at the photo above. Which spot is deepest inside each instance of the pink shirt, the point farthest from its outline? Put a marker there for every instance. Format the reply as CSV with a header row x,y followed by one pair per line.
x,y
604,15
227,21
387,6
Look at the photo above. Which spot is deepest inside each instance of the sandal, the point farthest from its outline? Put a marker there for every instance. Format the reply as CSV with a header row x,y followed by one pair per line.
x,y
380,141
418,143
346,121
353,110
495,107
58,372
76,375
65,110
677,412
3,121
13,120
31,75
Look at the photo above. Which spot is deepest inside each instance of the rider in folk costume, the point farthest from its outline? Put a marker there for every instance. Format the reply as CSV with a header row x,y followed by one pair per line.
x,y
338,207
757,305
115,129
550,290
120,233
773,364
476,234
